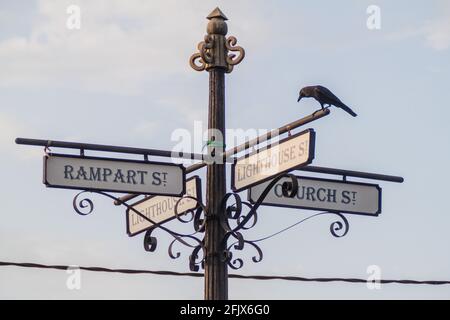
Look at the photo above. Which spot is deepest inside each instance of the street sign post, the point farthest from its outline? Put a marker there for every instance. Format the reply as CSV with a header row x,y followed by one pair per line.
x,y
161,209
218,54
114,175
324,195
262,165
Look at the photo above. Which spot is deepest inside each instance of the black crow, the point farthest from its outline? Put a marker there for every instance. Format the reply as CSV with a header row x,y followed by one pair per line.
x,y
324,97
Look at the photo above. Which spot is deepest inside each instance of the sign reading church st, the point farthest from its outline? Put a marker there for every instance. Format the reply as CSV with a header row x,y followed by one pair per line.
x,y
114,175
324,194
292,152
161,209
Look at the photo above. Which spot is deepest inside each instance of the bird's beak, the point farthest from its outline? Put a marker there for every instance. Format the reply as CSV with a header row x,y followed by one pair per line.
x,y
299,98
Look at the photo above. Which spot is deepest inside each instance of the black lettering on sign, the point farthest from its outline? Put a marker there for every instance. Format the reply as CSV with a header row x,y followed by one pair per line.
x,y
142,173
321,194
131,174
81,174
68,172
156,179
278,190
302,195
109,175
106,173
332,195
95,173
345,197
354,197
119,176
164,178
310,194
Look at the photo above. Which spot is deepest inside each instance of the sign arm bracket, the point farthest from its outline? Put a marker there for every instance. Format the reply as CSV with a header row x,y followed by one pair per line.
x,y
85,206
338,228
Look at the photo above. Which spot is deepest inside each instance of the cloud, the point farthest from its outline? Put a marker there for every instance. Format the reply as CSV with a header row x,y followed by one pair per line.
x,y
10,129
146,128
437,34
120,47
115,50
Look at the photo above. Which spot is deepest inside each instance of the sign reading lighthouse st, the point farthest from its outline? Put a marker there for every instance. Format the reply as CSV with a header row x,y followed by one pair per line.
x,y
289,153
161,209
115,175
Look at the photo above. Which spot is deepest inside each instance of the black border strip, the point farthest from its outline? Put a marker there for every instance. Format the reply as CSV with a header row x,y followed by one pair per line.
x,y
48,185
376,214
311,155
198,185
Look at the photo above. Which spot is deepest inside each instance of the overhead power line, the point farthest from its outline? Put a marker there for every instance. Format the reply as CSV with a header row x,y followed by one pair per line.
x,y
232,276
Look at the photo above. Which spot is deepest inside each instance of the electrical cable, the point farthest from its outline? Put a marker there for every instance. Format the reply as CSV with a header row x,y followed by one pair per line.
x,y
231,276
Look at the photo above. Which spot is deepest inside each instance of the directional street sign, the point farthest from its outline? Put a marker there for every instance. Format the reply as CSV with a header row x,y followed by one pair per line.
x,y
265,163
324,194
161,208
115,175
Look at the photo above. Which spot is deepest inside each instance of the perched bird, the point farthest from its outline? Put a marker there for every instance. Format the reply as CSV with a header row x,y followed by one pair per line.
x,y
324,97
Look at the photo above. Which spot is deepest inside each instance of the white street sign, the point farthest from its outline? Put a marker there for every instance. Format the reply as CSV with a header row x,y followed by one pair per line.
x,y
115,175
162,209
286,155
324,194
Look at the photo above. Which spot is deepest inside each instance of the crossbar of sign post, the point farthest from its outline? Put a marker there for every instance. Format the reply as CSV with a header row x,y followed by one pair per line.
x,y
323,195
114,175
161,209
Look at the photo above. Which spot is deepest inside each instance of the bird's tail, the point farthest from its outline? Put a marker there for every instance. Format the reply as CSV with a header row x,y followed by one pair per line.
x,y
347,109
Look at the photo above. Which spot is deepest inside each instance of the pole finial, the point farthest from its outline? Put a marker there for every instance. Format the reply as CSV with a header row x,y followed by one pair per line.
x,y
217,13
217,51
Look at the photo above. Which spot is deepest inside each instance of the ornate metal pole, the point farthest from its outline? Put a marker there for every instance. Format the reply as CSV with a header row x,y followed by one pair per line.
x,y
214,57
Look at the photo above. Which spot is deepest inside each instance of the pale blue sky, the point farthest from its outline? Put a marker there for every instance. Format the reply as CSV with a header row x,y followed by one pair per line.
x,y
124,79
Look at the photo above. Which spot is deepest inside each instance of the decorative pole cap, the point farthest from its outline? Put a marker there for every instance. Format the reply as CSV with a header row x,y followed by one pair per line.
x,y
217,51
217,24
217,13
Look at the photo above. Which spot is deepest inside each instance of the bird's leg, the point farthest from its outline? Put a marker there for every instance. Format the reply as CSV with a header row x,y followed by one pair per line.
x,y
322,106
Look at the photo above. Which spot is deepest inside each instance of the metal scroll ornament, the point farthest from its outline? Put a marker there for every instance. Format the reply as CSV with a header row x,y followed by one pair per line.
x,y
204,59
217,51
85,206
199,60
234,215
234,222
233,59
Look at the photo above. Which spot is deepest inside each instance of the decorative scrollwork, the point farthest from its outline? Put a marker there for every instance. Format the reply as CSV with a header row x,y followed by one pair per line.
x,y
233,59
194,259
217,51
194,262
205,47
80,205
238,263
339,229
234,212
199,61
197,215
150,242
196,57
